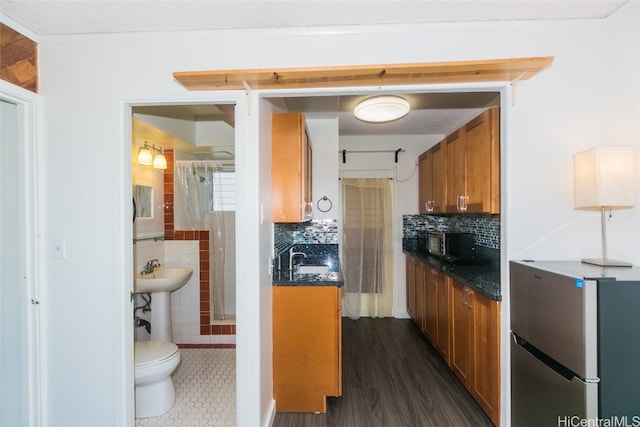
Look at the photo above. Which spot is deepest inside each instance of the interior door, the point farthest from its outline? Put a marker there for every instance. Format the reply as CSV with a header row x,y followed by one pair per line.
x,y
17,376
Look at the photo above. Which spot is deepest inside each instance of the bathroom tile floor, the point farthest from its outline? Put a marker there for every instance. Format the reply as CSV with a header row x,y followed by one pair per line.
x,y
205,383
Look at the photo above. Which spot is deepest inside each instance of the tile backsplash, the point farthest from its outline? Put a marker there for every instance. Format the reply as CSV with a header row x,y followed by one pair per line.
x,y
485,227
324,231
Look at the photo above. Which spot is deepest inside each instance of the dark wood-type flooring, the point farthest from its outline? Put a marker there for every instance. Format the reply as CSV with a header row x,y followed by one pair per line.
x,y
392,377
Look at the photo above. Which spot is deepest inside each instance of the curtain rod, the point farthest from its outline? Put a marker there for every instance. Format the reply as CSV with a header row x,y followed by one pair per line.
x,y
344,153
389,178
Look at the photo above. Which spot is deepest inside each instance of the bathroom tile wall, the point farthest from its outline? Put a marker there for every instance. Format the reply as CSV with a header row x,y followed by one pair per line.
x,y
209,334
191,322
485,227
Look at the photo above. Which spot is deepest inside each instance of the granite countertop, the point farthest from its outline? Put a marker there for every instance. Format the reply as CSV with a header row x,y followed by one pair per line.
x,y
316,254
485,278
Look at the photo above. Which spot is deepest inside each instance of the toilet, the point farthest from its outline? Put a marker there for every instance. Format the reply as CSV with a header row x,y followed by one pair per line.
x,y
155,361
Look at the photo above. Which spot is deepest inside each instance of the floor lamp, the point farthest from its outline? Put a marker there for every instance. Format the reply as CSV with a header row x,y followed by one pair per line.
x,y
603,179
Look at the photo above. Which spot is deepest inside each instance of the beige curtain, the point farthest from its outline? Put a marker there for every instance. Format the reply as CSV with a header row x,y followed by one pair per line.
x,y
366,248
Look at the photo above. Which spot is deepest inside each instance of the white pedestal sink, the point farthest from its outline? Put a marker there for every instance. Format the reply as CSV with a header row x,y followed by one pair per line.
x,y
160,284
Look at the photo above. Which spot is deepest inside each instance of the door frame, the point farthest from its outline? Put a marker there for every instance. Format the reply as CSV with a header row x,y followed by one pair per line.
x,y
29,149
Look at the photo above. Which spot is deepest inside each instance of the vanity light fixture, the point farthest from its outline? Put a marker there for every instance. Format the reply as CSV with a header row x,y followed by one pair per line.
x,y
146,158
381,109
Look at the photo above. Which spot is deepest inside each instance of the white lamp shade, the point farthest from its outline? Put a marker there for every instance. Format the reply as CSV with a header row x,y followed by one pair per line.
x,y
603,176
145,158
159,161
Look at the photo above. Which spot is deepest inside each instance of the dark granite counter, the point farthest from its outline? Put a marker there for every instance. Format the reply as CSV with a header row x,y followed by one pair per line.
x,y
316,254
484,278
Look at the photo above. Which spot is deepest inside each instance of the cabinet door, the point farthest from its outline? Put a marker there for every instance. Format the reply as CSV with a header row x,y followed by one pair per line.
x,y
456,170
484,384
420,272
307,174
460,331
307,356
411,286
425,190
438,177
483,163
290,164
431,305
443,323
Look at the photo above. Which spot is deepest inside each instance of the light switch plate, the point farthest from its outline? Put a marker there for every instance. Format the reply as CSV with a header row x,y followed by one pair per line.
x,y
58,249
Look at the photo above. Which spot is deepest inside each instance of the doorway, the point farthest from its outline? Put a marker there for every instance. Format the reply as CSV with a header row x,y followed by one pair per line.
x,y
19,301
190,223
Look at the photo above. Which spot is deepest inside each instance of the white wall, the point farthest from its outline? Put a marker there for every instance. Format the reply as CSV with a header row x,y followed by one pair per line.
x,y
324,142
85,301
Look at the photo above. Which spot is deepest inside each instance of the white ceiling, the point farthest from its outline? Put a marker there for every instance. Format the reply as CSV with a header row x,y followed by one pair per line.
x,y
125,16
431,113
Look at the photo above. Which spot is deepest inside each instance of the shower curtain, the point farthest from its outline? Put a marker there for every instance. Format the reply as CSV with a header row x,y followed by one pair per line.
x,y
197,187
366,248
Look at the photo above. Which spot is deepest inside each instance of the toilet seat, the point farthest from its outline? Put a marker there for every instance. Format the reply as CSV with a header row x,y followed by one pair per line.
x,y
148,353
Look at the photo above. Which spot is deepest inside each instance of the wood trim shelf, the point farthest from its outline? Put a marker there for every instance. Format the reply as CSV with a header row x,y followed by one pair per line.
x,y
509,69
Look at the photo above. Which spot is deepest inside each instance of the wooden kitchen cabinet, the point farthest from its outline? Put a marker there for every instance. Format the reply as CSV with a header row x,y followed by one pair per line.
x,y
432,167
473,166
307,347
425,168
420,295
443,320
475,346
411,286
431,304
291,168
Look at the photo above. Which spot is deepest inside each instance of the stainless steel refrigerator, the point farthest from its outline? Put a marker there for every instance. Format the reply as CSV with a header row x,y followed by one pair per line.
x,y
575,347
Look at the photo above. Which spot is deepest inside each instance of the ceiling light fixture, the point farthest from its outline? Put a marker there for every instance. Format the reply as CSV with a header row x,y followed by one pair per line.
x,y
146,157
381,109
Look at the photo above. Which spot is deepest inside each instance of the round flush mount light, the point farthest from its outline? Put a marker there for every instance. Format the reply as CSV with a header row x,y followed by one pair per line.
x,y
380,109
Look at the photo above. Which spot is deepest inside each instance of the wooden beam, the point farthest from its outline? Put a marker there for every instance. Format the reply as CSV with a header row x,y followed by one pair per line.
x,y
18,59
366,75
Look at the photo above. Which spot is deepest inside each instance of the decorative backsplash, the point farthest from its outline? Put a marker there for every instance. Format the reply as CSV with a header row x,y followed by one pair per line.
x,y
324,231
485,227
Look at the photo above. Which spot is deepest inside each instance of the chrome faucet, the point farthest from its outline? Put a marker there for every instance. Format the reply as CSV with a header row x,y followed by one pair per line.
x,y
292,254
152,264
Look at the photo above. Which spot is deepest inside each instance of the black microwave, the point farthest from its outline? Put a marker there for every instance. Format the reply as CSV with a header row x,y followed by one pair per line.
x,y
449,245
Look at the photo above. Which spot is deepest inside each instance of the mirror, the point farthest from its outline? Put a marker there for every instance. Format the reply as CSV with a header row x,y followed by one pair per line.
x,y
143,202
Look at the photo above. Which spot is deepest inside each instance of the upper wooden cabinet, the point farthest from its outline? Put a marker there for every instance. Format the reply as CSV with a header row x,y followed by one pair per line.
x,y
432,173
291,163
473,166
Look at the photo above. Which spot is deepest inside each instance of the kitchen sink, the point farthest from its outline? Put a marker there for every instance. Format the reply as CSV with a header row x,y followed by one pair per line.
x,y
312,269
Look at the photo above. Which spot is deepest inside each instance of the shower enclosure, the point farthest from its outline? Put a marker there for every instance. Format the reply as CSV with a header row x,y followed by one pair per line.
x,y
203,201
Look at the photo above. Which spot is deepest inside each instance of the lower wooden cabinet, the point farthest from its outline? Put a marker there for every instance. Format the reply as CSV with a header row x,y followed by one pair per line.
x,y
307,347
411,286
463,326
443,315
475,346
430,304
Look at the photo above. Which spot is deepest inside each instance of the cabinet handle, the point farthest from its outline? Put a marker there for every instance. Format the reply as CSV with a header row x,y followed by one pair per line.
x,y
429,205
462,203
